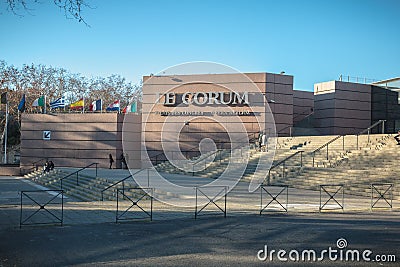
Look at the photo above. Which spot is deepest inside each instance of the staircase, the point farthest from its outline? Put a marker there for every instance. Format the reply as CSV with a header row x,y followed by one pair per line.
x,y
352,160
89,188
373,163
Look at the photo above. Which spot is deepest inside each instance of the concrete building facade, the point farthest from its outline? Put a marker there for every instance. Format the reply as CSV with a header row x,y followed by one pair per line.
x,y
75,139
349,108
165,103
191,104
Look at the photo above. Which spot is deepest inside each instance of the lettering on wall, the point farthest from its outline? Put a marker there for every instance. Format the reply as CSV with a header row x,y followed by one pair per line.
x,y
205,98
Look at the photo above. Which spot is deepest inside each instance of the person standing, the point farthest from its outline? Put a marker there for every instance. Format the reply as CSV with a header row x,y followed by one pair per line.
x,y
260,135
123,161
111,160
263,142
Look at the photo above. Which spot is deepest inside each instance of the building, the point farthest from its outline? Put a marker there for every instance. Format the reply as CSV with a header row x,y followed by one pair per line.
x,y
183,110
349,108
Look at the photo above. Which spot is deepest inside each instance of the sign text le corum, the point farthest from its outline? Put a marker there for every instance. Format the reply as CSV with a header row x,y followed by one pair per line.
x,y
205,98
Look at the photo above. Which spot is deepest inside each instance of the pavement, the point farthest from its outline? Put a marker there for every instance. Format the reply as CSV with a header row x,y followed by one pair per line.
x,y
90,236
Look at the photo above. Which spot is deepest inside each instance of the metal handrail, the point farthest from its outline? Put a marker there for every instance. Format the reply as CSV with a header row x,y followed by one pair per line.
x,y
327,148
283,162
120,181
77,173
327,144
192,149
371,127
291,126
218,150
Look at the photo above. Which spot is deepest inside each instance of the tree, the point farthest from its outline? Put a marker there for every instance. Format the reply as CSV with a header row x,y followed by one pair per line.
x,y
36,80
72,8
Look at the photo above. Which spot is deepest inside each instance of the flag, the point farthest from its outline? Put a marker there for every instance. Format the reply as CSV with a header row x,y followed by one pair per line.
x,y
4,98
77,105
21,105
114,106
130,108
38,102
58,103
96,105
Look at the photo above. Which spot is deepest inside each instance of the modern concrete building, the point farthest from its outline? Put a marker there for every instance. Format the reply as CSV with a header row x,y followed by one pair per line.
x,y
75,139
166,104
186,109
348,108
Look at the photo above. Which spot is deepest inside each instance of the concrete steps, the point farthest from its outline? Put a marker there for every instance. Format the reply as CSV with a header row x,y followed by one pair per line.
x,y
88,189
357,165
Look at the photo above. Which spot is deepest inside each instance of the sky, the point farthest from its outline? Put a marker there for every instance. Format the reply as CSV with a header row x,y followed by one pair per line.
x,y
314,41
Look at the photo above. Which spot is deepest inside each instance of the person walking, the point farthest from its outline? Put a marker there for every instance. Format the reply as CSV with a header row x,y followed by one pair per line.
x,y
111,160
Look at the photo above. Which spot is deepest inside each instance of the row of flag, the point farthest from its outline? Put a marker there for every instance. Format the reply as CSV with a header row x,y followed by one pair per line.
x,y
96,105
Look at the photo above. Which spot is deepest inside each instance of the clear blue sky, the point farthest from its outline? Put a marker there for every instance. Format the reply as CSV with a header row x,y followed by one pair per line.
x,y
313,40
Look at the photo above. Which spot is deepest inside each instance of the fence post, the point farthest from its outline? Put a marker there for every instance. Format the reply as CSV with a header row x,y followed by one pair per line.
x,y
195,209
383,127
327,152
301,158
123,190
148,178
96,170
343,142
313,157
357,141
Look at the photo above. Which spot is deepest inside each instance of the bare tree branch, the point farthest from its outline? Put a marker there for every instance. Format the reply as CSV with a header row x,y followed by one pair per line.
x,y
72,8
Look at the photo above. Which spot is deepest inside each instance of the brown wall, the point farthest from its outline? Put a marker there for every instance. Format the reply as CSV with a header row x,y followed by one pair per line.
x,y
342,107
76,139
277,88
303,105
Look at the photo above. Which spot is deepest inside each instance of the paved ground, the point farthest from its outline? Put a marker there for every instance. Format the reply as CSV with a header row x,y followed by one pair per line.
x,y
90,236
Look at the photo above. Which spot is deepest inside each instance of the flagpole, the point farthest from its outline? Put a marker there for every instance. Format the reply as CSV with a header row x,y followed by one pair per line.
x,y
5,135
45,104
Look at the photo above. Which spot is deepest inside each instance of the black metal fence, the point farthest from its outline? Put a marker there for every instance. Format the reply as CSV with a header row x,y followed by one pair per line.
x,y
334,192
273,196
382,193
41,207
211,194
134,197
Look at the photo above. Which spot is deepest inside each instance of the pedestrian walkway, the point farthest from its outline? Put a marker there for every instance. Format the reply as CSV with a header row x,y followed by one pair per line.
x,y
239,201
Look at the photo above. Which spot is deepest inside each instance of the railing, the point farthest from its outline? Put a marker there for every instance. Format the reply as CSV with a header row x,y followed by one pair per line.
x,y
220,151
348,78
155,157
283,163
77,173
327,148
47,205
211,197
291,126
193,149
368,130
123,183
